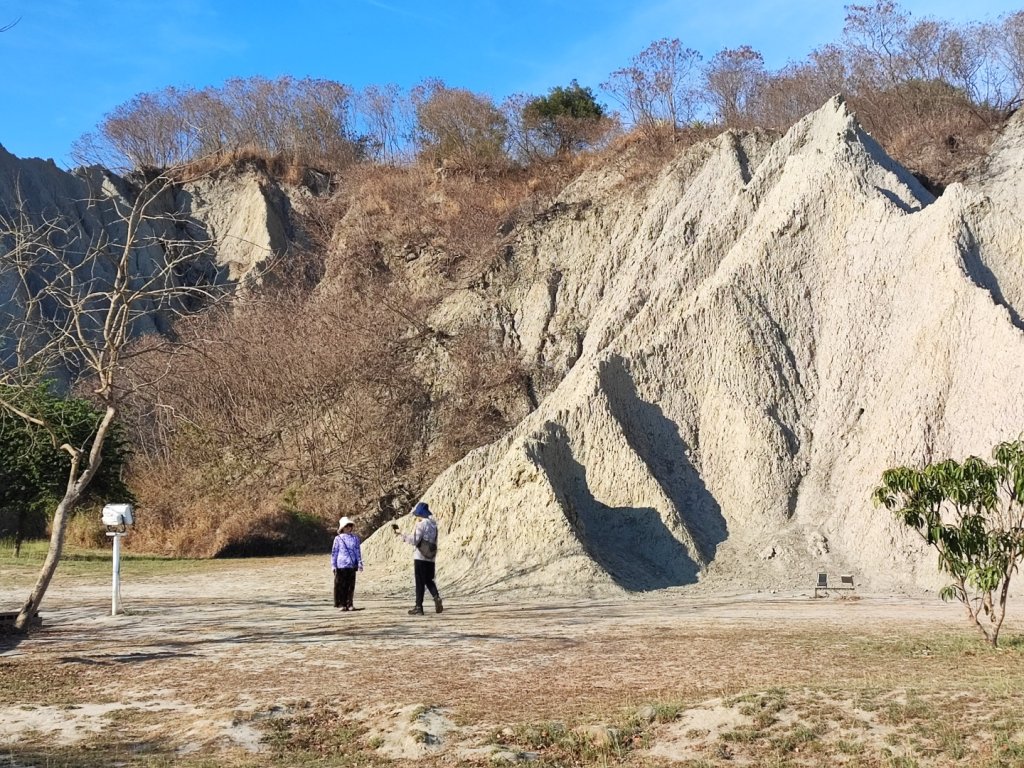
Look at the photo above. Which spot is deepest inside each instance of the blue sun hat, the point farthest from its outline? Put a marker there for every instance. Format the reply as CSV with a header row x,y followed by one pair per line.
x,y
421,510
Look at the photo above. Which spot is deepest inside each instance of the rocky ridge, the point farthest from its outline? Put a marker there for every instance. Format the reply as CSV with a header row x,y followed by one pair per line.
x,y
740,350
233,224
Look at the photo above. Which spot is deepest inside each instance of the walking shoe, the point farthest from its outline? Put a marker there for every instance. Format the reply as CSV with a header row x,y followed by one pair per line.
x,y
417,611
438,605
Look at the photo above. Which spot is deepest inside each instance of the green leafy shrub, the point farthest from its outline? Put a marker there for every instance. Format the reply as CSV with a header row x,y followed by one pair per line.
x,y
33,466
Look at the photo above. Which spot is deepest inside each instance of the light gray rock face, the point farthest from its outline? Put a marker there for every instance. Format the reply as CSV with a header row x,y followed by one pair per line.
x,y
740,350
225,228
246,217
993,237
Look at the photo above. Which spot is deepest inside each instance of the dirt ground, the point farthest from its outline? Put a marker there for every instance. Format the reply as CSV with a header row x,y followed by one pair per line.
x,y
252,660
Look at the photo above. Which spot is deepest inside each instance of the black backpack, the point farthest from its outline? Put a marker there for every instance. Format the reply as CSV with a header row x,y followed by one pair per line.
x,y
428,548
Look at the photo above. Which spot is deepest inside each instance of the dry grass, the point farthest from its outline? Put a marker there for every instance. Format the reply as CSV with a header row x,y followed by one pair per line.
x,y
286,169
796,682
930,129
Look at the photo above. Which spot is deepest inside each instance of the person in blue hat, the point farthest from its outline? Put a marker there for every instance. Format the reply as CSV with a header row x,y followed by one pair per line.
x,y
424,543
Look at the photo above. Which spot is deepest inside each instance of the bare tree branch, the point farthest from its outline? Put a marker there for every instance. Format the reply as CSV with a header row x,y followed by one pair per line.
x,y
78,304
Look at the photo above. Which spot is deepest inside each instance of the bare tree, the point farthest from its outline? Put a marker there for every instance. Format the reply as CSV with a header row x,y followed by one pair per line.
x,y
800,88
307,120
1009,50
875,36
659,87
520,141
962,58
78,299
388,118
733,78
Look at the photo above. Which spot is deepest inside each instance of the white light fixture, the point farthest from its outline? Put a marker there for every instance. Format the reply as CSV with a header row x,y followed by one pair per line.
x,y
117,518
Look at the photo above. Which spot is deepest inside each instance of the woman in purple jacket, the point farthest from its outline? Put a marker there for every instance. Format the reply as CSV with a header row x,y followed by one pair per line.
x,y
346,559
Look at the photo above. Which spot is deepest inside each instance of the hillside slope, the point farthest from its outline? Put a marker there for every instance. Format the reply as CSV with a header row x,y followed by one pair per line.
x,y
746,344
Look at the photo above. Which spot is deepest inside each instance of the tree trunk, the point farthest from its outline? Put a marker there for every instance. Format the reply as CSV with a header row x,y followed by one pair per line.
x,y
76,486
60,525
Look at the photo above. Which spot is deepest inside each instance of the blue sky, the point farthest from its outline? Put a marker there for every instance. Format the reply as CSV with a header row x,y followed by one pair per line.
x,y
69,62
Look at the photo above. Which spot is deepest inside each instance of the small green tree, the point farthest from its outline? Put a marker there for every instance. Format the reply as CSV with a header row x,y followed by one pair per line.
x,y
565,120
972,513
33,468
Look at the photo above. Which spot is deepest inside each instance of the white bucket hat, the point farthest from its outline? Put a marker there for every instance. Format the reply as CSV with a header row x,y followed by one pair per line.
x,y
343,522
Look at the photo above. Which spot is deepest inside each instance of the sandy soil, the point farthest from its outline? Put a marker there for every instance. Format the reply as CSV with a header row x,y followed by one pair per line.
x,y
202,663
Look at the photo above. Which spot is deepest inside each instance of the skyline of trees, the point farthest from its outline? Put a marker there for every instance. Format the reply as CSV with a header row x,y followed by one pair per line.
x,y
664,88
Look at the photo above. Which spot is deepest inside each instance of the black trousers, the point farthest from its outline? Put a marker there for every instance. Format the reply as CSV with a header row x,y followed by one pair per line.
x,y
344,587
423,570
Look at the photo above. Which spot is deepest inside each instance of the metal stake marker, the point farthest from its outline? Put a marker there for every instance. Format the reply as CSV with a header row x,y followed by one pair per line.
x,y
115,592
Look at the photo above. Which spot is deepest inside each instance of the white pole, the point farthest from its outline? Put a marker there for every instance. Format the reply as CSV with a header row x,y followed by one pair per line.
x,y
115,596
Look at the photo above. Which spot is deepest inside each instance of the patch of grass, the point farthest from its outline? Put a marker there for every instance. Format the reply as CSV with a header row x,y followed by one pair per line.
x,y
663,712
318,730
743,734
1008,751
904,713
1012,643
953,742
851,747
419,712
901,761
559,744
539,735
945,645
795,739
32,685
79,563
764,707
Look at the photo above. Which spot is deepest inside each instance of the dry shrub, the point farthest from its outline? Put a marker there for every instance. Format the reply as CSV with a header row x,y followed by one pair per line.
x,y
342,396
85,529
393,216
283,167
930,128
182,515
640,155
256,445
480,392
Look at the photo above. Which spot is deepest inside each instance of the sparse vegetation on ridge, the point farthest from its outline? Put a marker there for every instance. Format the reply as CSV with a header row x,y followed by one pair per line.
x,y
929,90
